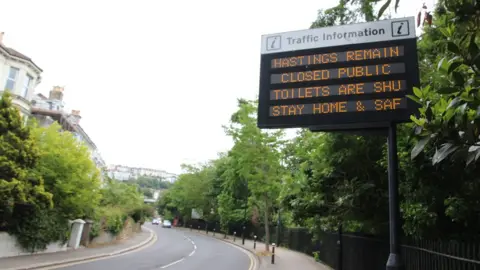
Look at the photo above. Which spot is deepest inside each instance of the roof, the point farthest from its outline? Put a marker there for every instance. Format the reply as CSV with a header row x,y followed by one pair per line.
x,y
17,54
58,115
41,96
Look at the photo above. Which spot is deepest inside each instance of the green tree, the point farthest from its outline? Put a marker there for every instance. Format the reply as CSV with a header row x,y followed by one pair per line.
x,y
231,193
22,192
147,192
255,159
68,172
190,190
450,118
120,195
119,201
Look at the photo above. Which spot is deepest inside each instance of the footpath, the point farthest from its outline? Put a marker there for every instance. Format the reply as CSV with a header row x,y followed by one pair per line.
x,y
285,259
37,261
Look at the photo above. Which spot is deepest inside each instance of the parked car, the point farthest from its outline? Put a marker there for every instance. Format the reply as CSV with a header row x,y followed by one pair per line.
x,y
156,221
167,224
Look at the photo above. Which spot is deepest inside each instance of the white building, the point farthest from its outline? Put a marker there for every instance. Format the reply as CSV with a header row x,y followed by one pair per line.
x,y
47,110
124,173
19,75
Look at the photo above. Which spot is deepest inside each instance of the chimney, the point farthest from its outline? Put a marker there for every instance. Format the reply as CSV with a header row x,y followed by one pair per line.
x,y
1,37
56,93
75,116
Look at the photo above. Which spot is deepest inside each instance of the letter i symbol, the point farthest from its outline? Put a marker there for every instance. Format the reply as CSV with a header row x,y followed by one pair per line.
x,y
272,46
399,30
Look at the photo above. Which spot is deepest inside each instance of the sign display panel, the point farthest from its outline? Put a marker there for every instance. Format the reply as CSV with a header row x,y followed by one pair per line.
x,y
353,76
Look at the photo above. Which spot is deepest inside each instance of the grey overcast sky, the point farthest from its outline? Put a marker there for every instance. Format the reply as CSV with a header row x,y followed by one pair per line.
x,y
154,80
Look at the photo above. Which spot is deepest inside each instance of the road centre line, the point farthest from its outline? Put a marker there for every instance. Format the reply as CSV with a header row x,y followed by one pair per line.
x,y
173,263
189,255
250,255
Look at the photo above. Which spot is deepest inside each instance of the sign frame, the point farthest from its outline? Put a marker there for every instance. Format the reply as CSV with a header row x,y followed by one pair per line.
x,y
340,121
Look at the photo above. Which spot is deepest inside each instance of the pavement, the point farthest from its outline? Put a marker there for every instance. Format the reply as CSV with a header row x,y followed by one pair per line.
x,y
285,259
48,260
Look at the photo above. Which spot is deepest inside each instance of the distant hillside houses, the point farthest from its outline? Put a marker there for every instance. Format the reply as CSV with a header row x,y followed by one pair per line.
x,y
123,173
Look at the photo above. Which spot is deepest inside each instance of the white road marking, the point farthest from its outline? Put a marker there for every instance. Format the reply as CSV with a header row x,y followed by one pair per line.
x,y
189,255
194,246
170,264
253,259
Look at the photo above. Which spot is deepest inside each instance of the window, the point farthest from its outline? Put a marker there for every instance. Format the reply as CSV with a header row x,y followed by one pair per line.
x,y
12,77
26,86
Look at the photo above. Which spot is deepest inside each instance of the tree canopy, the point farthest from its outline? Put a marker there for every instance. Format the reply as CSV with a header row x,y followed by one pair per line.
x,y
68,171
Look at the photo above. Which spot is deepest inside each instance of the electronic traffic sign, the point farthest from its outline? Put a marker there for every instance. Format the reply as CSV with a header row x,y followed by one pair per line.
x,y
339,78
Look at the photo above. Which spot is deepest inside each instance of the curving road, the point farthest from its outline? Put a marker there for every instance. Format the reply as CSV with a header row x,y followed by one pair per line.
x,y
175,250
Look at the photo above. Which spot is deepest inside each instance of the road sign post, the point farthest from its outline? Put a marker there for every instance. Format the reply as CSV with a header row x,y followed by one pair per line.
x,y
394,261
351,78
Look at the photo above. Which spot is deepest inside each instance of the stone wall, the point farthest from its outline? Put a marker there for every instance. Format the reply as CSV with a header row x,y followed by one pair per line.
x,y
9,247
129,229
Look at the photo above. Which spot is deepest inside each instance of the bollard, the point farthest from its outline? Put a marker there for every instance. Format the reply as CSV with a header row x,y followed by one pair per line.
x,y
254,242
198,227
213,231
234,235
206,229
190,227
273,253
243,236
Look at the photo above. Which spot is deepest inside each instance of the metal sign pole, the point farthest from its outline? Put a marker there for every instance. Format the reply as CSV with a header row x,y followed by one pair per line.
x,y
394,260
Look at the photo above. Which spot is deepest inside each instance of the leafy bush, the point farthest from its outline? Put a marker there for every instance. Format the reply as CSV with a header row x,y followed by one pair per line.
x,y
121,195
114,219
40,228
141,213
316,255
95,230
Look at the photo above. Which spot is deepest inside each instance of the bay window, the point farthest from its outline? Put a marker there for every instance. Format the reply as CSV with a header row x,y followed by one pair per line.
x,y
11,79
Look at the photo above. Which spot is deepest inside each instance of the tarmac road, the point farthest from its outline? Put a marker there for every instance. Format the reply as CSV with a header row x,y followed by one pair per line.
x,y
175,250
